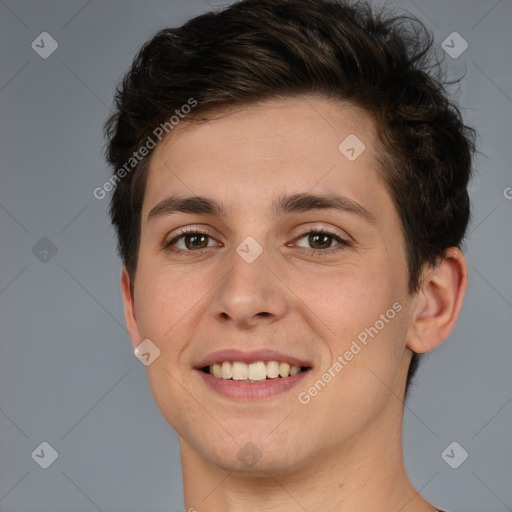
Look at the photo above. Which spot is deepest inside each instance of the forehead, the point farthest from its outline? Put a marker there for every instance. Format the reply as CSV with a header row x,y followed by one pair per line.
x,y
288,145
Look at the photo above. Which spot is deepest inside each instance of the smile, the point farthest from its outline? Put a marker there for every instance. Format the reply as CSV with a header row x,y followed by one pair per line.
x,y
253,372
251,375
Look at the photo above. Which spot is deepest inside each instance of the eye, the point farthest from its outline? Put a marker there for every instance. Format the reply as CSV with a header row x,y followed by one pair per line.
x,y
320,241
317,241
191,241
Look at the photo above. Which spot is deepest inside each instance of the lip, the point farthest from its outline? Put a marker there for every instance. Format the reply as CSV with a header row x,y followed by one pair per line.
x,y
245,391
250,357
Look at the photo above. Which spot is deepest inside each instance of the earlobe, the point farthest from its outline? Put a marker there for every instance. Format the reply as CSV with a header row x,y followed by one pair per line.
x,y
438,302
129,308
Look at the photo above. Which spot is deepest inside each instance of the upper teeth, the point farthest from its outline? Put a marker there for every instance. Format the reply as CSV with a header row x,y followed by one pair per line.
x,y
259,370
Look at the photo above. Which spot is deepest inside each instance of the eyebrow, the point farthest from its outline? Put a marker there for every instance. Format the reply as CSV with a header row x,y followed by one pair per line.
x,y
281,205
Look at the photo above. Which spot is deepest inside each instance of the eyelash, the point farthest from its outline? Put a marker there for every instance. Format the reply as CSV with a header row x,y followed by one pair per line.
x,y
316,252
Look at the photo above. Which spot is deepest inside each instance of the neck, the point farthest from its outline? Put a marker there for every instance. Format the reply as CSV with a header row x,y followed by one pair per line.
x,y
366,473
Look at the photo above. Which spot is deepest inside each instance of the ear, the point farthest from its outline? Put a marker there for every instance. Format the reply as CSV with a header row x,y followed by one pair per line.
x,y
129,308
438,302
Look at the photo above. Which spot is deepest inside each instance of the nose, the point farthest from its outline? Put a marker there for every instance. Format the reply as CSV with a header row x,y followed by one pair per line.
x,y
251,294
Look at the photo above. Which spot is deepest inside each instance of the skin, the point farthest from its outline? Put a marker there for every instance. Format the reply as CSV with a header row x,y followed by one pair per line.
x,y
343,450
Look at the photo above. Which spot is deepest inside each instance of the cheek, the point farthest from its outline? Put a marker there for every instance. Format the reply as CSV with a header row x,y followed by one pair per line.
x,y
348,299
162,301
364,311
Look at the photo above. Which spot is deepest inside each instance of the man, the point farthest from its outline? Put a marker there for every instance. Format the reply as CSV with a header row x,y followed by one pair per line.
x,y
291,196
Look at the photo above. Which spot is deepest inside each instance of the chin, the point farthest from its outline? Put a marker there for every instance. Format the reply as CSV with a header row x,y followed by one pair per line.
x,y
254,463
257,454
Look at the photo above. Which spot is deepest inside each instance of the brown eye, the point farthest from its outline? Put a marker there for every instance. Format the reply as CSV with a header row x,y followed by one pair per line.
x,y
320,240
190,241
196,241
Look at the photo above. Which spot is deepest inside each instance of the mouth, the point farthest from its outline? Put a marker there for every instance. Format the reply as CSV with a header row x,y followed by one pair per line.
x,y
255,375
257,371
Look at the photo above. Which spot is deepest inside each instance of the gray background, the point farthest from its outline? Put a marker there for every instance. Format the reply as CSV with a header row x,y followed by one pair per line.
x,y
67,371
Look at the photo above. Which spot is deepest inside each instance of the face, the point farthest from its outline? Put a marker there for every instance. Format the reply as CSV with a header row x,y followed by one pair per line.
x,y
293,254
